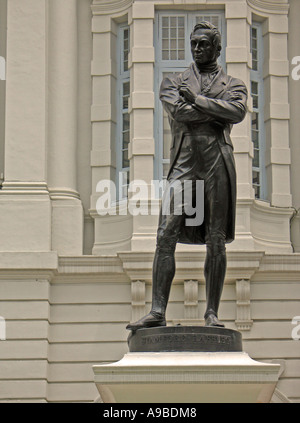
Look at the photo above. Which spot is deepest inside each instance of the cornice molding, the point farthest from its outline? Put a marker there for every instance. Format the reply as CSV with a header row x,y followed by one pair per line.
x,y
105,7
270,6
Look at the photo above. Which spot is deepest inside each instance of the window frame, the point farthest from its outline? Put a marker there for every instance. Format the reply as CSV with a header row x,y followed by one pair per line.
x,y
257,77
123,77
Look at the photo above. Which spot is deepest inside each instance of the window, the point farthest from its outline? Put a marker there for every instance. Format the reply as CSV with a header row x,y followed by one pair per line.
x,y
172,42
173,37
123,123
257,132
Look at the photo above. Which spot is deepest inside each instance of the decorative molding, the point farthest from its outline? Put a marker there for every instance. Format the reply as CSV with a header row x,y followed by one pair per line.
x,y
107,7
63,193
243,305
90,269
18,265
279,267
24,188
191,299
127,267
270,6
190,265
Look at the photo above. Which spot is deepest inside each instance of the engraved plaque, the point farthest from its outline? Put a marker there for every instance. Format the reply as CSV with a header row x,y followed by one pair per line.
x,y
185,338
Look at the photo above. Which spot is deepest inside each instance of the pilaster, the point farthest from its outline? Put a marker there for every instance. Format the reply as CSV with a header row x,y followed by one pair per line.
x,y
25,206
142,102
277,110
238,60
67,213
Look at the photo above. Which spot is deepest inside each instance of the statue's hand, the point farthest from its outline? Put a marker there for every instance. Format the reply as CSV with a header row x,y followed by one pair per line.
x,y
188,94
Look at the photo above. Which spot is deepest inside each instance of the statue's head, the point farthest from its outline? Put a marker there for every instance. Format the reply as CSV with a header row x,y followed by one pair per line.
x,y
205,43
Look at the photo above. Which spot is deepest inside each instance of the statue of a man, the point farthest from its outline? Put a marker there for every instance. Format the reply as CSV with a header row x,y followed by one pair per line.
x,y
202,104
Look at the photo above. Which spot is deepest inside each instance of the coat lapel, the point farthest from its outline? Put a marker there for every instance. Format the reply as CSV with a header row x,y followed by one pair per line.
x,y
218,86
192,78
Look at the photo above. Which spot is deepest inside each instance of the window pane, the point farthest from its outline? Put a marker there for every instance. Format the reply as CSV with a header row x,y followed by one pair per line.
x,y
165,33
165,22
255,139
173,22
181,33
173,44
256,177
181,55
181,22
125,159
173,33
254,92
126,92
125,102
125,122
255,121
173,54
126,88
125,139
255,101
165,55
254,87
126,35
256,158
181,44
257,191
165,44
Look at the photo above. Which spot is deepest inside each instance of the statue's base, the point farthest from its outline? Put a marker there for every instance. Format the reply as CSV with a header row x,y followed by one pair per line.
x,y
194,376
185,338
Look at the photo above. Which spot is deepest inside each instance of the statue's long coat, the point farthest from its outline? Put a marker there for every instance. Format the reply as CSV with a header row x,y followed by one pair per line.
x,y
222,104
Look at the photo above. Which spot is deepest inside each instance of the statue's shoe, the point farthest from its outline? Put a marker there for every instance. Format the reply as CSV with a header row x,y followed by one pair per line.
x,y
212,320
149,321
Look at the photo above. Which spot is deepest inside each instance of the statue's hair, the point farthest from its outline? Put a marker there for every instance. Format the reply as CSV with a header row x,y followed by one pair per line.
x,y
216,33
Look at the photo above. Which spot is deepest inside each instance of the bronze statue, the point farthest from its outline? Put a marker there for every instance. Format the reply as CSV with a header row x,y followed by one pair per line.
x,y
202,104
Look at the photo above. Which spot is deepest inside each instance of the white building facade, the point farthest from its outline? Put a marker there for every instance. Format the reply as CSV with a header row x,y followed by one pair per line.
x,y
79,108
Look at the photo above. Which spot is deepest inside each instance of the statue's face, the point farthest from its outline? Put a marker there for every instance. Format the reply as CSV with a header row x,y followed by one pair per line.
x,y
203,50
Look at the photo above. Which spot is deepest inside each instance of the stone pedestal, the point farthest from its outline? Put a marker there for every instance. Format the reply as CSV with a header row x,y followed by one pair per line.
x,y
186,375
